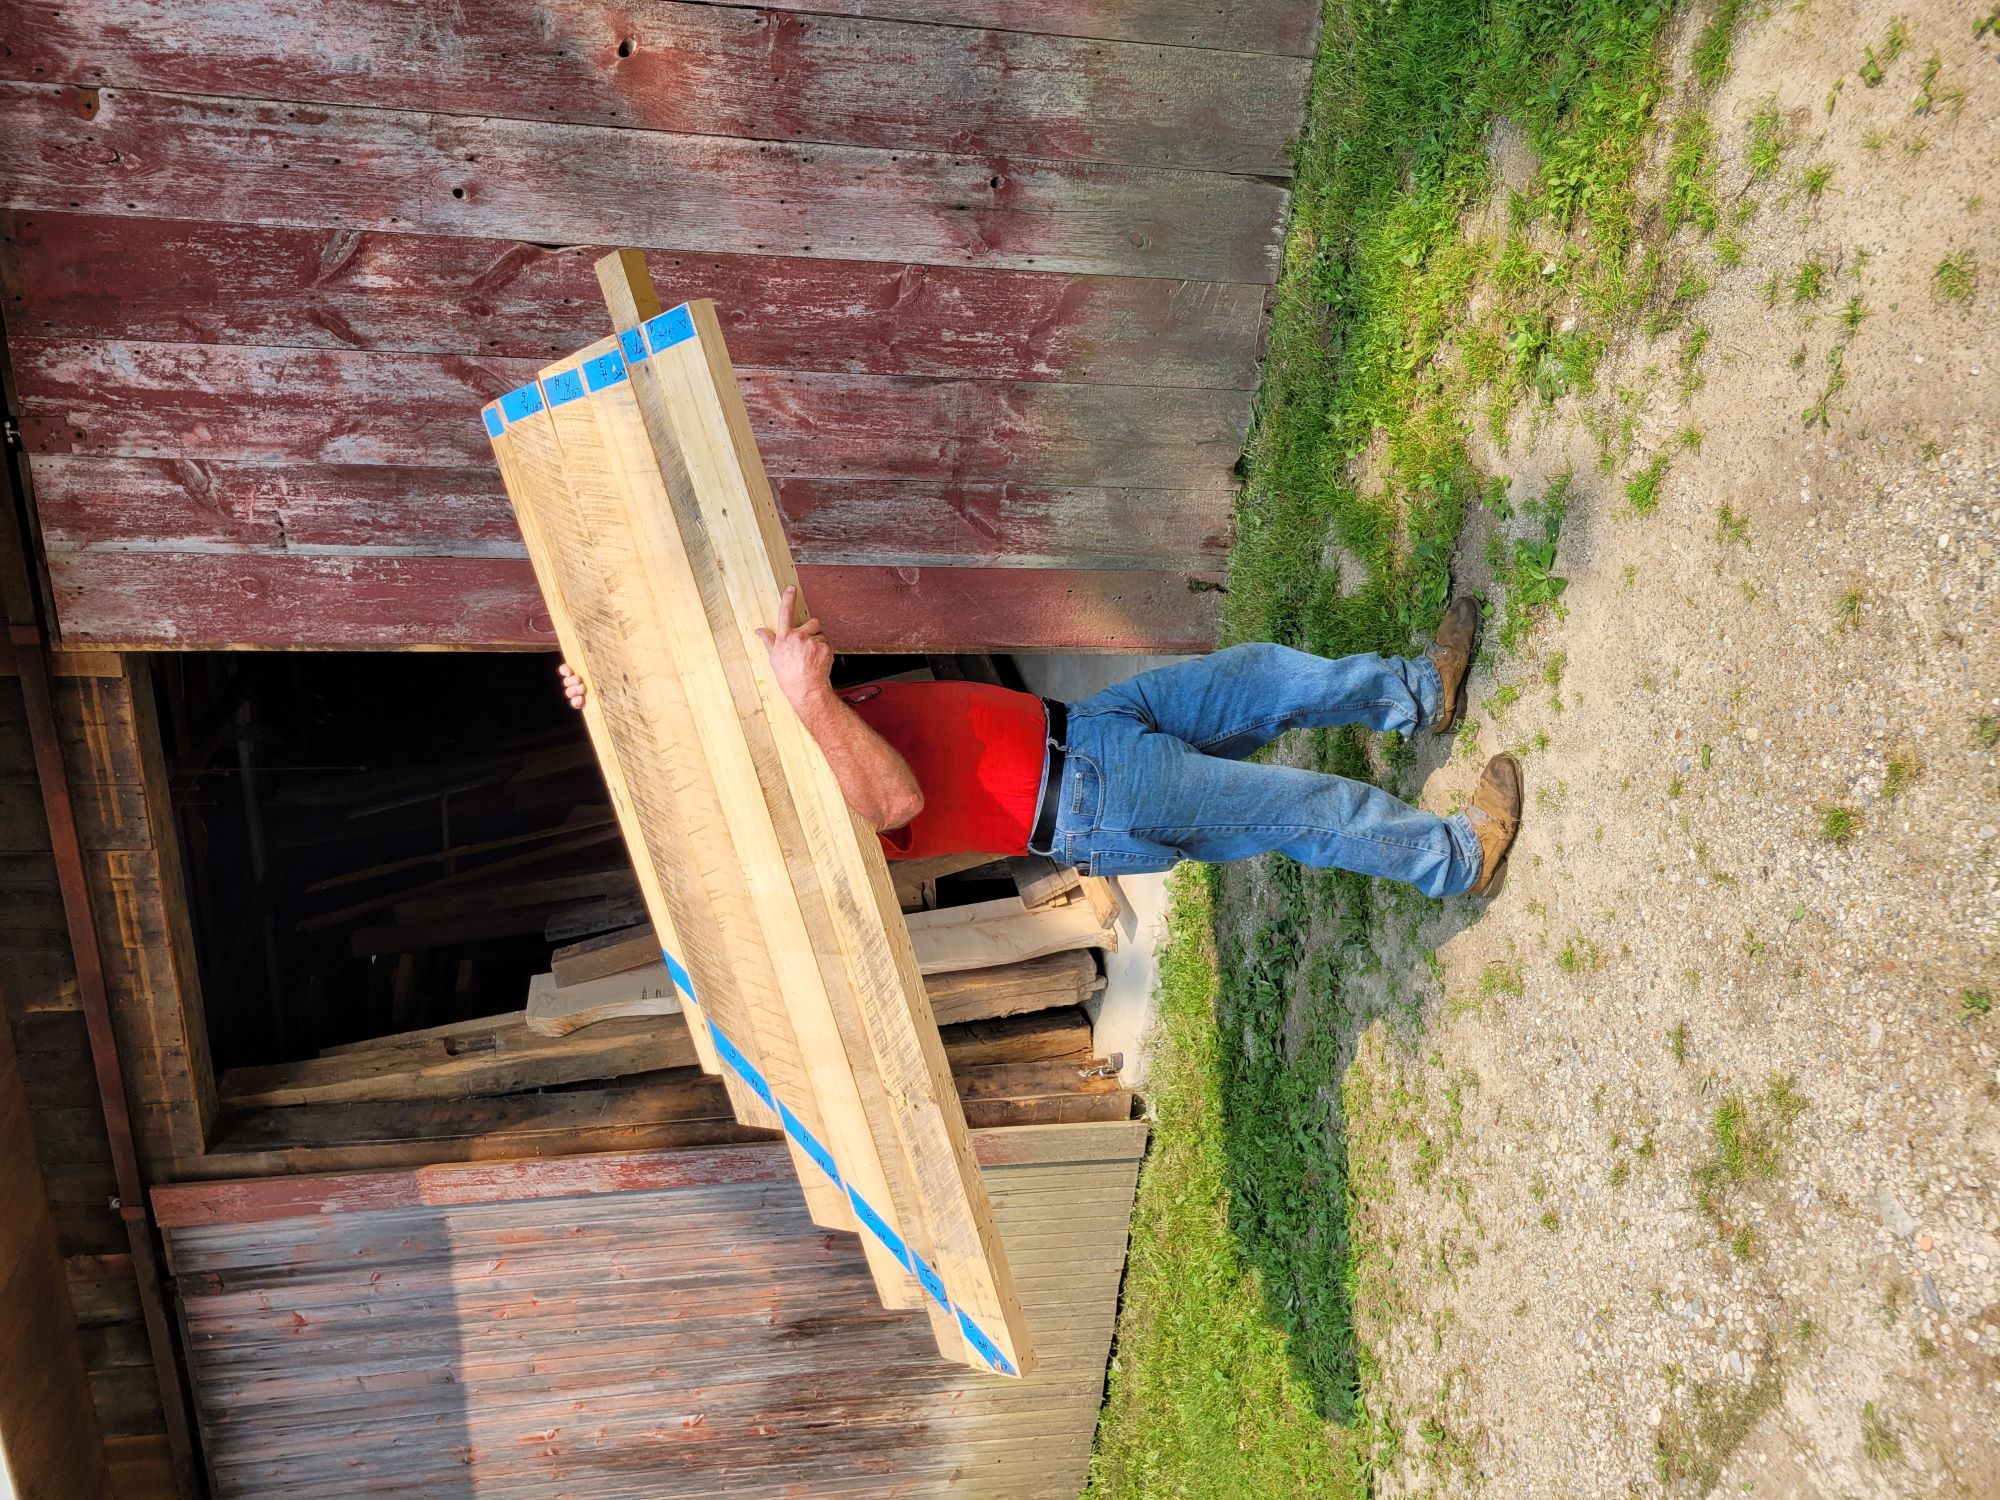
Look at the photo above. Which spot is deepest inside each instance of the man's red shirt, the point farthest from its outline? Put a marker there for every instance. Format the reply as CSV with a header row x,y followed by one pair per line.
x,y
977,751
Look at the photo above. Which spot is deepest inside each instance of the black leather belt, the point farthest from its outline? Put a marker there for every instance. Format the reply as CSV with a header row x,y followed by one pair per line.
x,y
1056,743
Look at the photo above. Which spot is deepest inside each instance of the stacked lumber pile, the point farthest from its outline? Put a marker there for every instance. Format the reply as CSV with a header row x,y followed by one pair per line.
x,y
661,555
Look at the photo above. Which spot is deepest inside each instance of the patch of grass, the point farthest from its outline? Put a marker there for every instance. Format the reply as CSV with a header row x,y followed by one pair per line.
x,y
1852,315
1847,609
1580,956
1204,1391
1986,731
1813,181
1731,527
1238,1370
1746,1139
1677,1043
1838,824
1711,48
1808,283
1768,140
1700,1435
1729,252
1956,277
1550,1220
1642,490
1690,176
1975,1003
1879,1442
1872,67
1900,776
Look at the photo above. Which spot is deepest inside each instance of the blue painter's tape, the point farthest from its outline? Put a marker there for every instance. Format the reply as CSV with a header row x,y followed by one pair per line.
x,y
988,1350
494,426
742,1066
930,1281
808,1142
875,1225
521,402
674,326
633,343
681,978
605,370
564,388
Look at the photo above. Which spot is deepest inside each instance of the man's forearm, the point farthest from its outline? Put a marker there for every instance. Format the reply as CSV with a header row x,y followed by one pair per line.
x,y
876,781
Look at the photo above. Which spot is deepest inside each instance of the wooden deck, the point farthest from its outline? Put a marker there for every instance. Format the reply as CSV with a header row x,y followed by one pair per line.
x,y
995,276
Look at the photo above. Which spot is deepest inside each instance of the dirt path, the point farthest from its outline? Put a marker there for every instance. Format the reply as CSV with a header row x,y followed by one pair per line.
x,y
1692,1172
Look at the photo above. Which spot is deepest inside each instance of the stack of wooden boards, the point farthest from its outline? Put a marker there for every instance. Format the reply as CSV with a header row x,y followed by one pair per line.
x,y
660,553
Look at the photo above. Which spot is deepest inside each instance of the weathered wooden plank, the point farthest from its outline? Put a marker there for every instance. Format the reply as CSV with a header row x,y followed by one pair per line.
x,y
1065,978
298,406
453,1067
988,933
178,1205
219,601
770,1365
51,1441
162,503
1287,27
178,156
709,70
78,276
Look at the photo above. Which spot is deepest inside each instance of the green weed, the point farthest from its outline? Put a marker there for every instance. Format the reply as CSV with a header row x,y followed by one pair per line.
x,y
1878,1440
1986,731
1956,277
1900,776
1642,491
1847,609
1690,176
1838,825
1808,283
1975,1003
1813,181
1711,48
1768,140
1852,315
1731,527
1677,1043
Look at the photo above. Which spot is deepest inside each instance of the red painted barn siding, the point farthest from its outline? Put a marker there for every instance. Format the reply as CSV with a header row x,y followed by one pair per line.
x,y
997,295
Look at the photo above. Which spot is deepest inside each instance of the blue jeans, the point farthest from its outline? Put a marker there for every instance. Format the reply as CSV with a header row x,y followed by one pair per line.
x,y
1156,772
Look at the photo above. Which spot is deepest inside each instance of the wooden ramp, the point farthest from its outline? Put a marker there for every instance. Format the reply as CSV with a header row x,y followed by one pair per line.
x,y
630,1325
660,553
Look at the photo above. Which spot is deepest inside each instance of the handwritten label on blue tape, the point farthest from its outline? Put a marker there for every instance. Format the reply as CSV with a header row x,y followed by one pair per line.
x,y
930,1281
563,388
877,1226
674,326
808,1142
521,402
632,343
871,1220
742,1066
605,370
988,1350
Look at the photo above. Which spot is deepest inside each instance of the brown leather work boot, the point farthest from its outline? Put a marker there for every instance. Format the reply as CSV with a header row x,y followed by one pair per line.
x,y
1495,816
1451,654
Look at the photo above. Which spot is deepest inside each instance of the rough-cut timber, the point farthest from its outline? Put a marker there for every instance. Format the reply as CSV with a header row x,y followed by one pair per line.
x,y
708,70
911,211
630,1326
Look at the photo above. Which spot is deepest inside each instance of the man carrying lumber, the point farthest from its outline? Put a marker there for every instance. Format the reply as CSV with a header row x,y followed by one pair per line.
x,y
1153,770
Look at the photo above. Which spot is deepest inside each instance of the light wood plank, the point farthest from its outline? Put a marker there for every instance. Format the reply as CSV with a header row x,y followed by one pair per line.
x,y
792,1018
554,1010
688,395
491,1060
987,933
